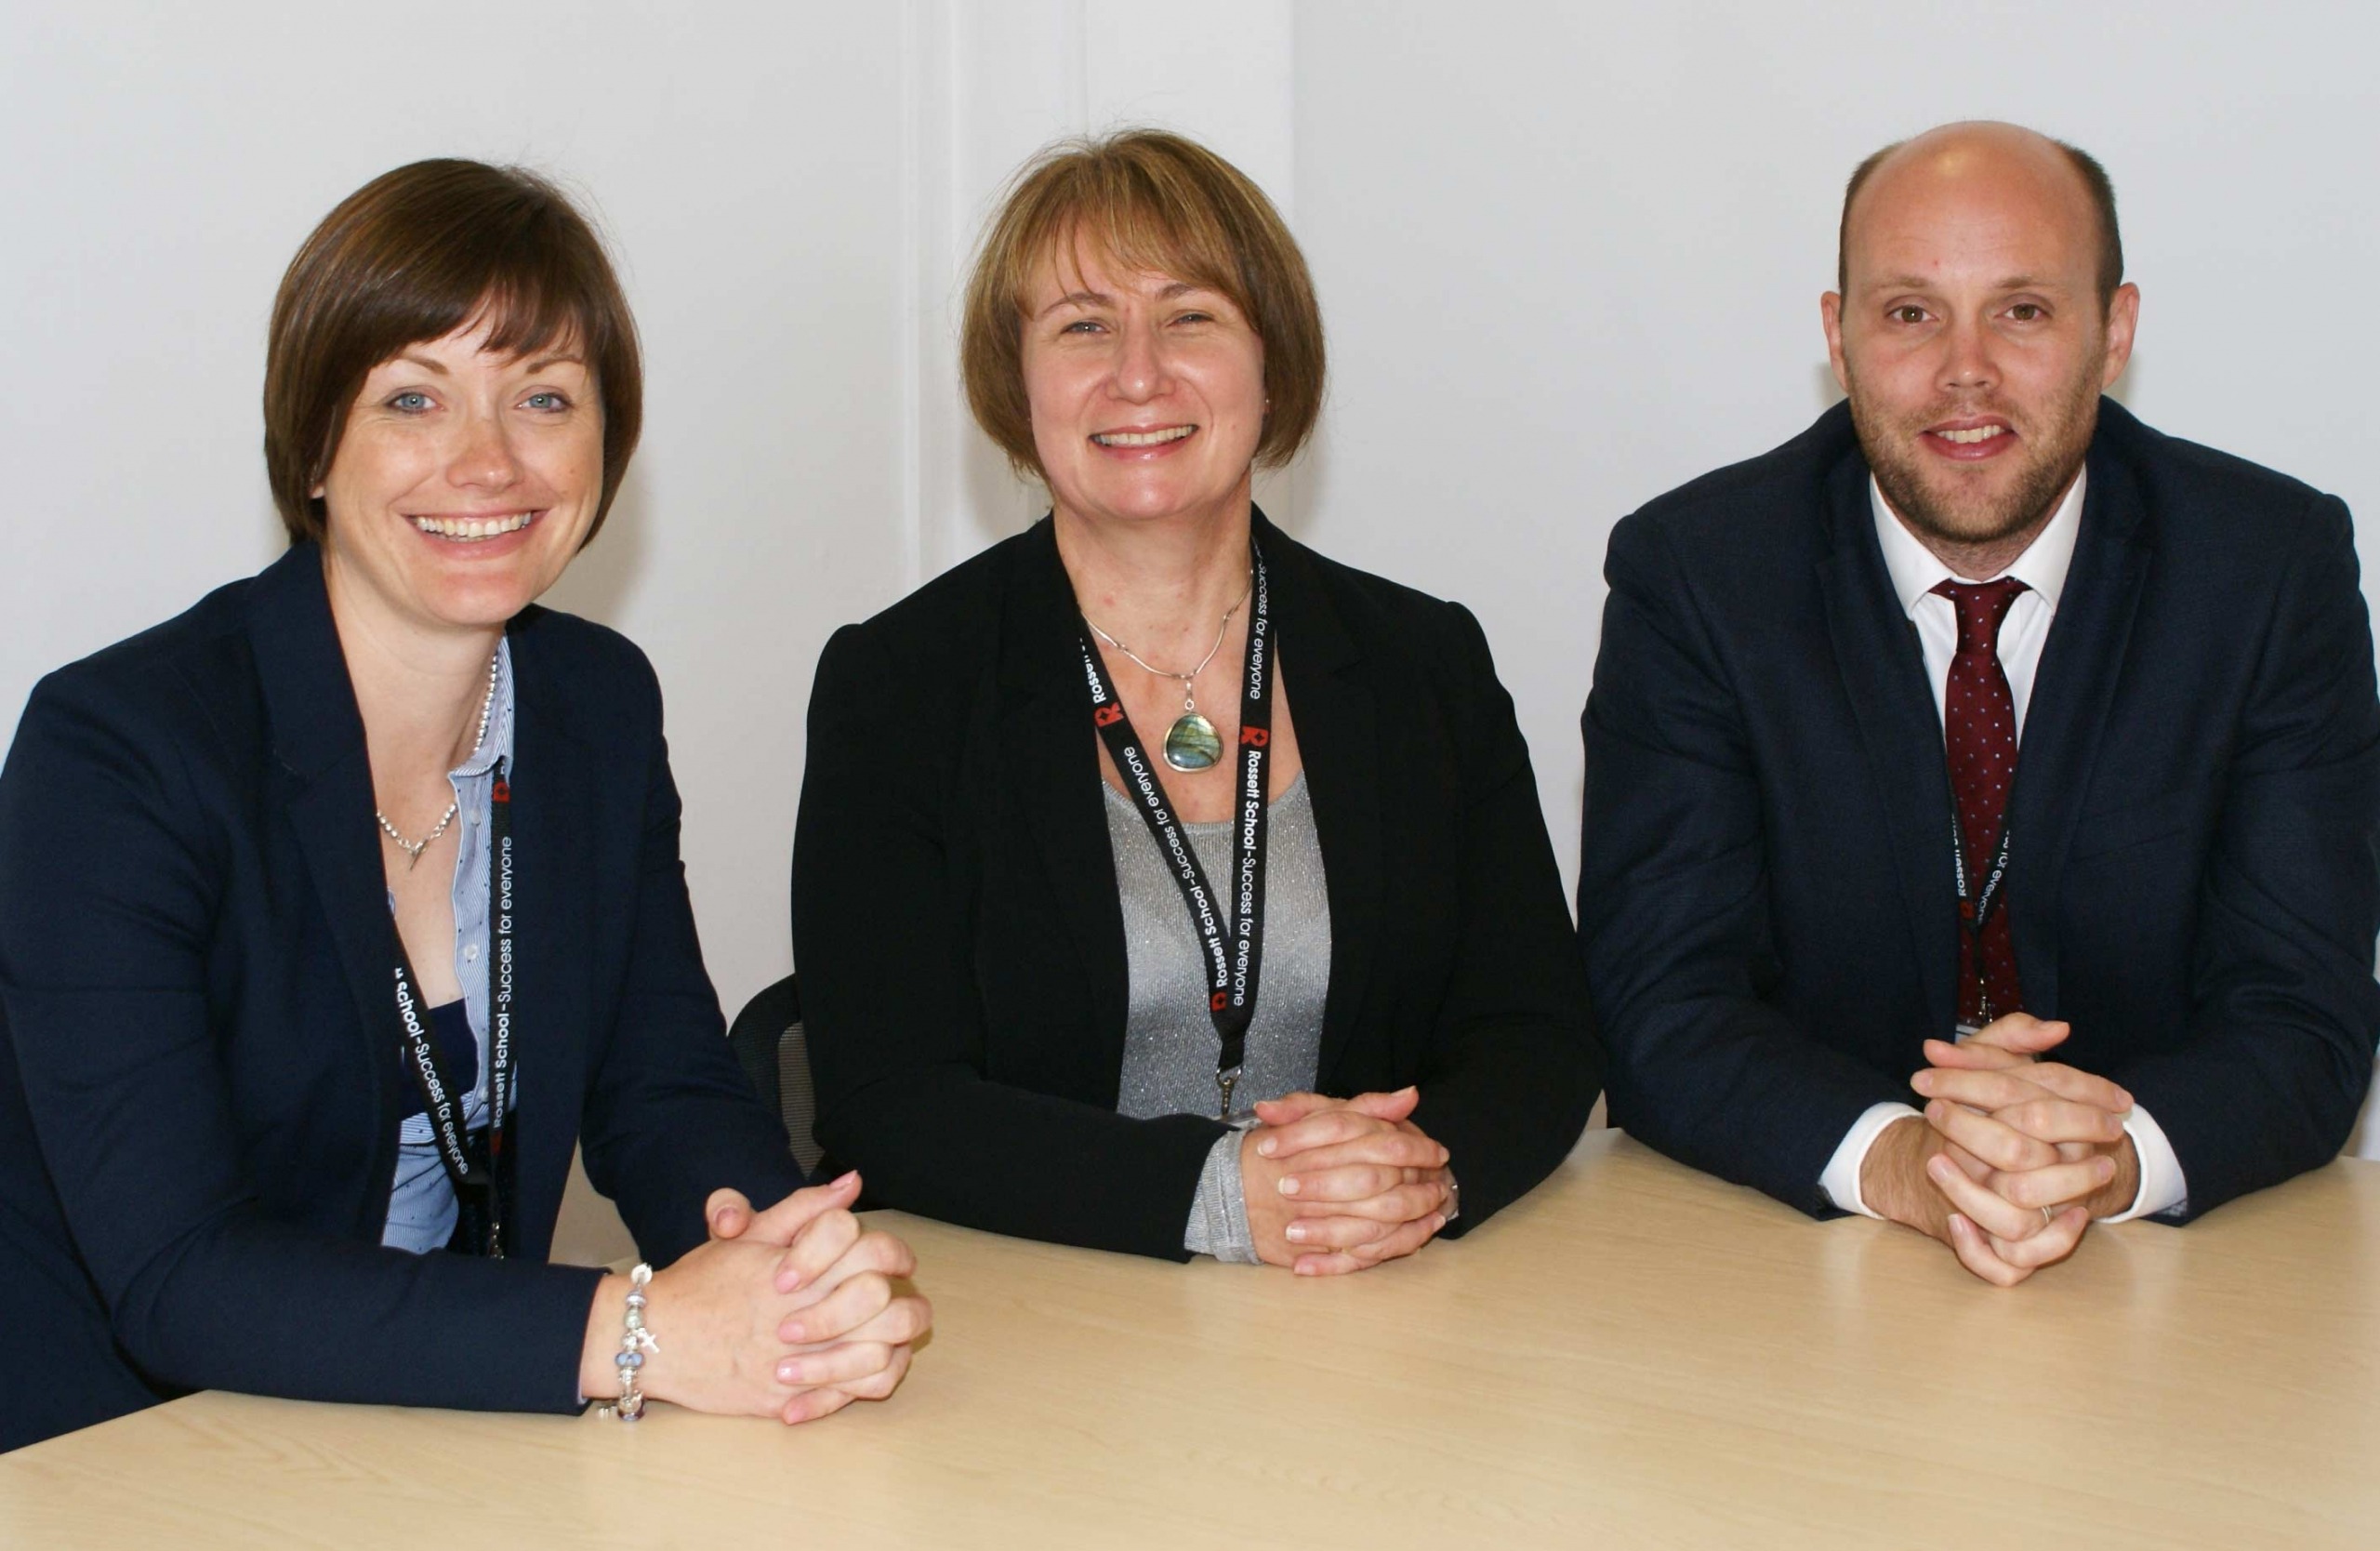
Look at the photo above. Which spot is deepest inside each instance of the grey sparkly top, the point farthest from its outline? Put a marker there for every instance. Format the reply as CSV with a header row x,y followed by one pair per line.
x,y
1170,1040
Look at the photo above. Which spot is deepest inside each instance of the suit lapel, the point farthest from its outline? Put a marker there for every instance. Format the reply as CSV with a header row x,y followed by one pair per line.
x,y
1338,725
552,801
318,739
1051,757
1883,674
2072,688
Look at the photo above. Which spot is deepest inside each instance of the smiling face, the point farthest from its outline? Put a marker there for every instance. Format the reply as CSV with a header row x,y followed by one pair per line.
x,y
1147,393
464,482
1971,336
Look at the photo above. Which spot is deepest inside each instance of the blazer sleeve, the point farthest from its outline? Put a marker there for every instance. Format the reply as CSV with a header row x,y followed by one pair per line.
x,y
110,880
896,1026
1512,1067
2284,1011
669,1116
1673,906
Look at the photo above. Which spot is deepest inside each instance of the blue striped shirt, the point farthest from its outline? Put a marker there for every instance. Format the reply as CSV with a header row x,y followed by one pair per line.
x,y
421,1205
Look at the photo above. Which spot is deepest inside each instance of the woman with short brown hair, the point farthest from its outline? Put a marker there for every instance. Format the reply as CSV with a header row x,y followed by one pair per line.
x,y
336,911
1160,885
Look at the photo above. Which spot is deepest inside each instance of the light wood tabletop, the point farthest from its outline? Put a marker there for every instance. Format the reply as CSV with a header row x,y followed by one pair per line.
x,y
1634,1356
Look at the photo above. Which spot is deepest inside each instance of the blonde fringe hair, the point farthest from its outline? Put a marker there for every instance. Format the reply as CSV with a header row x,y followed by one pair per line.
x,y
1146,200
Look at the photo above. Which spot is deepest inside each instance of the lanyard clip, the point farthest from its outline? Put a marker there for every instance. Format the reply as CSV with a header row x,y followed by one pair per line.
x,y
1226,1081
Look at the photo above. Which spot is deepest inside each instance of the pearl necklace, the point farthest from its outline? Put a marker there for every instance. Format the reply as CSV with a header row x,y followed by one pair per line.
x,y
413,849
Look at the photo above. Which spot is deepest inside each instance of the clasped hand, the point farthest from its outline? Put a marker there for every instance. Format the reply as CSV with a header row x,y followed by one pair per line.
x,y
791,1312
1334,1186
2024,1152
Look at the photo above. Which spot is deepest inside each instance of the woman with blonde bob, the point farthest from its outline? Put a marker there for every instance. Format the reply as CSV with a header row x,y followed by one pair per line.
x,y
1160,885
336,911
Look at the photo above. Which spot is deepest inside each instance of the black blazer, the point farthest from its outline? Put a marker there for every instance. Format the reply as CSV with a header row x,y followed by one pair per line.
x,y
200,1085
961,947
1766,899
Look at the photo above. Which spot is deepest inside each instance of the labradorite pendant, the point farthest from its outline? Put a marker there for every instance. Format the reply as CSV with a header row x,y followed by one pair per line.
x,y
1191,743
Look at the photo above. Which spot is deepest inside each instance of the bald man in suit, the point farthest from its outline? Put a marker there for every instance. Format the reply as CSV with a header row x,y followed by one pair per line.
x,y
1982,732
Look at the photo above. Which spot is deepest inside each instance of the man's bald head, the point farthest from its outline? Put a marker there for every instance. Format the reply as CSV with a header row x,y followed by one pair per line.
x,y
1964,334
1944,151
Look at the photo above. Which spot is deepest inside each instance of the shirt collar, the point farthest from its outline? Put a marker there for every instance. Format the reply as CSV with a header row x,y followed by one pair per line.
x,y
497,744
1916,570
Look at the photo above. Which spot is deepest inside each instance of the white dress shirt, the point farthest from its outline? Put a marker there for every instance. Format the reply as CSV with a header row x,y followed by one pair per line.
x,y
1916,572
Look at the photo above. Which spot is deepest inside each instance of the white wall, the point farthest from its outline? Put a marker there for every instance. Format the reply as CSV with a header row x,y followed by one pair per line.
x,y
1568,256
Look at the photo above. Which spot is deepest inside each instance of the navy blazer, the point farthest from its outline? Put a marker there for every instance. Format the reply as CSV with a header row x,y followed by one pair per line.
x,y
200,1083
961,946
1765,897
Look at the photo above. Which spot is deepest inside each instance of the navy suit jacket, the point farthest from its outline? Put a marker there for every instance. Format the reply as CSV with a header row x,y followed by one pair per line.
x,y
1766,895
200,1083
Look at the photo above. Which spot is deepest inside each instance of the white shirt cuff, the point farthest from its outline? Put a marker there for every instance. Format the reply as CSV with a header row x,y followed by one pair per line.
x,y
1841,1179
2163,1189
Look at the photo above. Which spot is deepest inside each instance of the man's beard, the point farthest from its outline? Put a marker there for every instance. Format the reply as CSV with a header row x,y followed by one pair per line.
x,y
2053,448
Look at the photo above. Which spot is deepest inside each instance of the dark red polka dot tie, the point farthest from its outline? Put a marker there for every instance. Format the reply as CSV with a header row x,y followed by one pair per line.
x,y
1980,727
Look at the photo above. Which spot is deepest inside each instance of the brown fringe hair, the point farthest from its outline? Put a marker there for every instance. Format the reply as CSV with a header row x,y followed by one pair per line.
x,y
1153,201
413,256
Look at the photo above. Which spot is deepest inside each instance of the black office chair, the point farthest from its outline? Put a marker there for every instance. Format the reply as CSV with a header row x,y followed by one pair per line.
x,y
768,1040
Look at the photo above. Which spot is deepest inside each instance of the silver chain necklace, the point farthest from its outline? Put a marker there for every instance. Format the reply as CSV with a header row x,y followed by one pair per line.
x,y
1191,743
413,849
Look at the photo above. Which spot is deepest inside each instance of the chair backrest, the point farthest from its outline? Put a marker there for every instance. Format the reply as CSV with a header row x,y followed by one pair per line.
x,y
768,1043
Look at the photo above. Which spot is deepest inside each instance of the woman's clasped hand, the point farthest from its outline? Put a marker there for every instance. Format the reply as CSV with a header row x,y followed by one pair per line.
x,y
1339,1185
792,1312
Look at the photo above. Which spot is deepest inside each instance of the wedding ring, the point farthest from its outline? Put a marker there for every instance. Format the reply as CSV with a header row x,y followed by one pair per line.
x,y
2049,1218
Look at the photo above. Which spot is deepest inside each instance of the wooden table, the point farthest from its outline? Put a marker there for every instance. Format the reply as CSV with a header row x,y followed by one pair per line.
x,y
1635,1355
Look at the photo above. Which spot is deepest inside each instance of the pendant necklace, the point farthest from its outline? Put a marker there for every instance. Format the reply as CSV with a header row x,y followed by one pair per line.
x,y
1192,742
413,849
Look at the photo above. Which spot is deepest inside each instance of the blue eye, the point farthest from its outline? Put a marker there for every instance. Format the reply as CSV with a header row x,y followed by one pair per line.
x,y
547,399
410,403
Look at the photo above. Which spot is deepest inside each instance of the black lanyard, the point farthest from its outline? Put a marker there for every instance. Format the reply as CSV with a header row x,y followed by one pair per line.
x,y
476,1175
1975,903
1234,952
